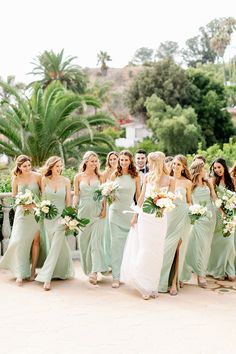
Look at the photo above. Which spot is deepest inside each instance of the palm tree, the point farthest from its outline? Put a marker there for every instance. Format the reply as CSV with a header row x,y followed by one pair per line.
x,y
53,66
11,80
103,58
48,123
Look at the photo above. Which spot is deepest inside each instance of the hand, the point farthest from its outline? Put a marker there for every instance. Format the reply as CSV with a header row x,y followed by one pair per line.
x,y
28,207
103,214
134,220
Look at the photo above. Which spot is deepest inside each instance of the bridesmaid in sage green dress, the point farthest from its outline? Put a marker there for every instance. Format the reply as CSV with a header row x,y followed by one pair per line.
x,y
222,258
233,175
129,181
91,238
178,227
200,238
57,189
25,229
111,166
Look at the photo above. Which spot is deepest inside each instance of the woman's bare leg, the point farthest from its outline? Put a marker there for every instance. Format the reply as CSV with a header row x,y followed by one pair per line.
x,y
173,289
35,254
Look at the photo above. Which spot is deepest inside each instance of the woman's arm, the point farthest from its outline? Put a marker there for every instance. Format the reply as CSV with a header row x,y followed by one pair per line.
x,y
138,187
76,190
14,186
188,192
211,185
172,185
68,192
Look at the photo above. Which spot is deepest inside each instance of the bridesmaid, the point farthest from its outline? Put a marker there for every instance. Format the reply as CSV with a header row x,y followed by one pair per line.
x,y
111,166
233,175
57,189
91,237
178,228
25,232
200,238
221,262
128,179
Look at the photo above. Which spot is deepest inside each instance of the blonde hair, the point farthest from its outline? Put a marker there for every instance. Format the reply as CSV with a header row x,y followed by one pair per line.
x,y
195,170
47,168
19,161
233,171
86,157
157,161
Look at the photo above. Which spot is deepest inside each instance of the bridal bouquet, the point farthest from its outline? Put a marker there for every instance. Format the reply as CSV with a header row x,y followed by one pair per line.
x,y
196,211
44,209
24,199
227,202
71,221
107,191
159,203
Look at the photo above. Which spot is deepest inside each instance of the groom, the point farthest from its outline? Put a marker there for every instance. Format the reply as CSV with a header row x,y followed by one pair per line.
x,y
141,163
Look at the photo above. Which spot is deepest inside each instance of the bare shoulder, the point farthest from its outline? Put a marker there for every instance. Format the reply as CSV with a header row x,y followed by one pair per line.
x,y
66,180
188,183
37,176
78,176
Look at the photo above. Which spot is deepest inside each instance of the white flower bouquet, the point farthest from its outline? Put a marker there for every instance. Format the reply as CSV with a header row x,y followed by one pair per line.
x,y
227,202
44,209
159,203
197,211
107,191
70,220
24,199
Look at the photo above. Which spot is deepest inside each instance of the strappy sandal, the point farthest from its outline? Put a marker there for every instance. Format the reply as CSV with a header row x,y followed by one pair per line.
x,y
93,279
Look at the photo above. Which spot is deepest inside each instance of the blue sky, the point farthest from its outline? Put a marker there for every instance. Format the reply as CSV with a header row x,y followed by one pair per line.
x,y
83,28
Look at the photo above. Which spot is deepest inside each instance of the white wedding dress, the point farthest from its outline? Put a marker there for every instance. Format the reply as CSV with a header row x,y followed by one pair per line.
x,y
143,254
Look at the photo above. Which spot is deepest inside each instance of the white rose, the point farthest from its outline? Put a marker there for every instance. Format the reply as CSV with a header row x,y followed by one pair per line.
x,y
218,203
45,209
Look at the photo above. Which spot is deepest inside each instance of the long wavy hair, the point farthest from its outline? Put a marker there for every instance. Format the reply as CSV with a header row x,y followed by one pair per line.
x,y
108,166
132,170
195,171
156,161
185,172
86,157
49,164
227,178
19,161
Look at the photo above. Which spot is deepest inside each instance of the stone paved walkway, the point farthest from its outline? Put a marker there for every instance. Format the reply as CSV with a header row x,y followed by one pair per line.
x,y
76,317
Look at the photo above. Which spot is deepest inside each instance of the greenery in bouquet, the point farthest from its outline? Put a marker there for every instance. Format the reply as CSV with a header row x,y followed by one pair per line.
x,y
106,191
44,209
227,202
197,211
72,223
24,199
159,203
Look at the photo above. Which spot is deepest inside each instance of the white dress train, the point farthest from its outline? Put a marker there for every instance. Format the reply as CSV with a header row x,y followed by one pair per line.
x,y
143,254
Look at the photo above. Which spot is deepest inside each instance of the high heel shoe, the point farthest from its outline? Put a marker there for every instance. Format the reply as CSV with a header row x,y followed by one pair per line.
x,y
115,284
19,281
47,286
145,297
202,282
93,279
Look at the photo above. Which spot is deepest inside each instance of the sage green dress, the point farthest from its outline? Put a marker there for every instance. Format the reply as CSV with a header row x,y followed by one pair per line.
x,y
18,254
178,228
120,222
58,263
222,258
91,238
107,239
200,238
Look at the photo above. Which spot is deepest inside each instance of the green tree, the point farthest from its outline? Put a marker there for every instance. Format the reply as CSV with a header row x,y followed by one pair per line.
x,y
209,102
165,79
103,58
54,67
167,49
143,56
11,81
176,129
49,123
212,39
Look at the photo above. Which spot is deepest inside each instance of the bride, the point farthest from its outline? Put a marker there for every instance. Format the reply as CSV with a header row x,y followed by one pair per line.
x,y
143,255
